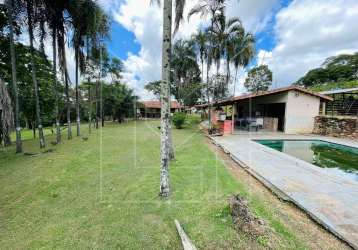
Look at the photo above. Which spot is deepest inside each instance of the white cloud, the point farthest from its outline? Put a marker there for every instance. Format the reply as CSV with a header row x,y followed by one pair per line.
x,y
307,32
255,14
145,21
264,57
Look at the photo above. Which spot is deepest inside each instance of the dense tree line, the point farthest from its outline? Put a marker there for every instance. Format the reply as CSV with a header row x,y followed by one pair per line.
x,y
339,68
40,87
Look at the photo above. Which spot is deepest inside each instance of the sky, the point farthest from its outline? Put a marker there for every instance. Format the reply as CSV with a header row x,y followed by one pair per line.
x,y
292,36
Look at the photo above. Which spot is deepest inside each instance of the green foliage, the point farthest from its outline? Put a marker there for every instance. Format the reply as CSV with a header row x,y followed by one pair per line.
x,y
154,87
341,68
334,85
258,79
118,101
193,120
186,80
179,119
4,22
25,85
218,87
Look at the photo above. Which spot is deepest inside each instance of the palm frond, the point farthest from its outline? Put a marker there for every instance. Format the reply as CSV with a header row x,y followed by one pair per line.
x,y
179,10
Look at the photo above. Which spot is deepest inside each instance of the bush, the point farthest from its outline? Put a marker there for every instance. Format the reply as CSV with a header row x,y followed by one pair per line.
x,y
179,119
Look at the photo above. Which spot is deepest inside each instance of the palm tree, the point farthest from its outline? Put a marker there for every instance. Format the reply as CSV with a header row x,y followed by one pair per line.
x,y
212,8
165,87
10,5
84,17
57,112
225,34
54,16
51,16
183,60
200,41
63,66
30,16
244,51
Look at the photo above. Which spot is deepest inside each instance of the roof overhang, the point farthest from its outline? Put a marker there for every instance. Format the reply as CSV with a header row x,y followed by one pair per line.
x,y
232,100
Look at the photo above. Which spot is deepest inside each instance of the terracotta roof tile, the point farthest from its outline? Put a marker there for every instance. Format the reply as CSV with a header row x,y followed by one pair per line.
x,y
157,104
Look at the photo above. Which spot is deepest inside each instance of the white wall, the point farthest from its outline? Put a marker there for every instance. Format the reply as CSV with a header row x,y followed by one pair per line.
x,y
301,109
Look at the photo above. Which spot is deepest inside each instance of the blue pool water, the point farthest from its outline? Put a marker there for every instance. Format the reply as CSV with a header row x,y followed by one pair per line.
x,y
340,159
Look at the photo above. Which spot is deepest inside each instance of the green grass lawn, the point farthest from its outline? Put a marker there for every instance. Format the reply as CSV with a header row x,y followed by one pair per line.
x,y
103,194
28,134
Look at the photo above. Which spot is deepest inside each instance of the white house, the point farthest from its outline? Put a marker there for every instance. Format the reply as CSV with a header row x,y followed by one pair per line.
x,y
290,110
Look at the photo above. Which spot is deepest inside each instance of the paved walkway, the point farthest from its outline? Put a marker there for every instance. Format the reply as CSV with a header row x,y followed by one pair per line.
x,y
329,199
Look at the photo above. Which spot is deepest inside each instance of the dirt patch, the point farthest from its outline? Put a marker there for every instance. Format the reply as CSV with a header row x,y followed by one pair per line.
x,y
244,220
293,218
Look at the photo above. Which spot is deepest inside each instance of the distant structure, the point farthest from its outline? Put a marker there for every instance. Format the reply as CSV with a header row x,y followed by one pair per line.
x,y
152,109
345,102
289,110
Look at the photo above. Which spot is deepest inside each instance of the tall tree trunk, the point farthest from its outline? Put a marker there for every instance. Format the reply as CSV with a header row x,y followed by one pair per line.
x,y
236,69
101,89
78,119
34,77
202,76
208,92
97,105
68,105
89,107
165,108
227,72
14,78
57,113
170,139
62,52
101,103
89,89
34,129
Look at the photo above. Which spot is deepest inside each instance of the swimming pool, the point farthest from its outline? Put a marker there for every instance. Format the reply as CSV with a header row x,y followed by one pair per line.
x,y
337,158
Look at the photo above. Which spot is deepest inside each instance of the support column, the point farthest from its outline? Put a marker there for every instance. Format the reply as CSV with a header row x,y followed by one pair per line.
x,y
233,118
324,108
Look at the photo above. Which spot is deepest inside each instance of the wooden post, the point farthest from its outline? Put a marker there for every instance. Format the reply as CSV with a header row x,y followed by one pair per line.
x,y
186,242
233,118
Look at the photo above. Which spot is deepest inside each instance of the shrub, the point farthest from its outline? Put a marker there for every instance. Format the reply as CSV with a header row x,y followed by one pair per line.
x,y
179,119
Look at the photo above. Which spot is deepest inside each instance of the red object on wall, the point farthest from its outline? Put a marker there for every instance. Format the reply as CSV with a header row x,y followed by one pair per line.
x,y
225,126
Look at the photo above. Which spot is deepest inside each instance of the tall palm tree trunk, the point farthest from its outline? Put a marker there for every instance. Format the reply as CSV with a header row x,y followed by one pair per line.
x,y
101,90
68,105
63,63
89,107
78,119
202,77
208,92
14,78
57,113
228,72
97,103
34,77
101,103
170,139
165,108
236,70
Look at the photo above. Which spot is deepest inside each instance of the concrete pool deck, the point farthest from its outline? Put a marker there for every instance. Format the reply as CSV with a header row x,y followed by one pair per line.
x,y
330,199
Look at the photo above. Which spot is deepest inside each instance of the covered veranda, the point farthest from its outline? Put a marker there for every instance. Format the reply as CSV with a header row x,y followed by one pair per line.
x,y
289,110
